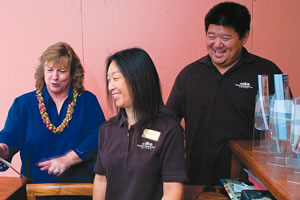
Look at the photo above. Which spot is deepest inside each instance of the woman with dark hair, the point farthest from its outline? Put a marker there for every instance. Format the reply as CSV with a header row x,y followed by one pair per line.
x,y
141,149
56,126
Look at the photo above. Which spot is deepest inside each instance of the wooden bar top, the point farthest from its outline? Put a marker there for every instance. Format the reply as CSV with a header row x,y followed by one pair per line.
x,y
275,178
10,185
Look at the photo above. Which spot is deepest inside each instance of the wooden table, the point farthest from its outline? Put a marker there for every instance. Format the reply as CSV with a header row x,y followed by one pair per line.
x,y
275,178
12,188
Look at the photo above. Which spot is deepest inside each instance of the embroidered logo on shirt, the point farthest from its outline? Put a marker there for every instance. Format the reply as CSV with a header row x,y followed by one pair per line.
x,y
244,85
146,145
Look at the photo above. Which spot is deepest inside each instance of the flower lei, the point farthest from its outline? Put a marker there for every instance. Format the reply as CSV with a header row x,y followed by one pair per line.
x,y
45,116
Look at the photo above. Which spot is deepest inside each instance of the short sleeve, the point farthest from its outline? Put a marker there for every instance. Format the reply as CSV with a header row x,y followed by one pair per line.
x,y
173,159
174,102
99,169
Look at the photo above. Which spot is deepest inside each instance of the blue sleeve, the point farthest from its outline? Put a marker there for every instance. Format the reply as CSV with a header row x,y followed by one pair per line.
x,y
94,117
10,134
14,124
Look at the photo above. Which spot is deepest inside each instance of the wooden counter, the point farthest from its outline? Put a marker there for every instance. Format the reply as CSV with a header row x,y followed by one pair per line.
x,y
12,188
275,178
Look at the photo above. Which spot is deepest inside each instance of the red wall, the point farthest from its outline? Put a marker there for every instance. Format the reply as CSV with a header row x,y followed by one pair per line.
x,y
171,31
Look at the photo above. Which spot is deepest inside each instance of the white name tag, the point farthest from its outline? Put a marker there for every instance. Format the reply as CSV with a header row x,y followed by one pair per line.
x,y
151,134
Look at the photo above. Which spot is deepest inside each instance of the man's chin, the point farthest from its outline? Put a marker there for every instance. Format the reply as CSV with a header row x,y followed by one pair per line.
x,y
218,62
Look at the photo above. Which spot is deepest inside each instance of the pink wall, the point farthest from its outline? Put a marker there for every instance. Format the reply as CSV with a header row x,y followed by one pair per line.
x,y
171,31
276,34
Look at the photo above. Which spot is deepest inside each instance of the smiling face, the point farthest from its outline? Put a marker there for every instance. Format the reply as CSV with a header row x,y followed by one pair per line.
x,y
118,87
57,78
224,46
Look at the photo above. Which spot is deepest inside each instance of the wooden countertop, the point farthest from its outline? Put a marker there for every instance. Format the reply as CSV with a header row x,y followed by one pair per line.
x,y
275,178
10,185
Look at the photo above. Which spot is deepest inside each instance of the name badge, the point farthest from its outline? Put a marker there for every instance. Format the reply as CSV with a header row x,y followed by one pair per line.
x,y
151,134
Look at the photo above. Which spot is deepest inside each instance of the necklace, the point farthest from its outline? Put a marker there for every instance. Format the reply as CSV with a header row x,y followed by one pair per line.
x,y
45,116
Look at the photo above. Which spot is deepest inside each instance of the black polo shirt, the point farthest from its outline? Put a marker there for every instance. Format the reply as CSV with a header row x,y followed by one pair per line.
x,y
216,108
138,170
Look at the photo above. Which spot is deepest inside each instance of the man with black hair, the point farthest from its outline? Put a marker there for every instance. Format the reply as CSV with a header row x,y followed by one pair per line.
x,y
215,95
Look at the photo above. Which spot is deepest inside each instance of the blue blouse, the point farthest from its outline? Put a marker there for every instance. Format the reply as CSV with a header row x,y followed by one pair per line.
x,y
25,130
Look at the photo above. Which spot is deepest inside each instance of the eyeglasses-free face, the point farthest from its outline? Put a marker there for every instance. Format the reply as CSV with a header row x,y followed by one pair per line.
x,y
57,78
224,46
118,87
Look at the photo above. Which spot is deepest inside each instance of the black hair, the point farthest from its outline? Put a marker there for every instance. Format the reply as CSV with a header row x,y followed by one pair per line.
x,y
140,73
229,14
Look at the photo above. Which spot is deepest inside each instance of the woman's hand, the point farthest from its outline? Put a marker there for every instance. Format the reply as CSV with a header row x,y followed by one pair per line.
x,y
58,166
4,151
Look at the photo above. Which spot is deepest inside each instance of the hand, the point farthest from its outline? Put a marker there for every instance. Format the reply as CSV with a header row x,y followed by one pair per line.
x,y
4,151
57,166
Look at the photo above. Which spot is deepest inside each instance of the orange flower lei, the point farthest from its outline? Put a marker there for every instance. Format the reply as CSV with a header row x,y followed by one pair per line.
x,y
45,116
